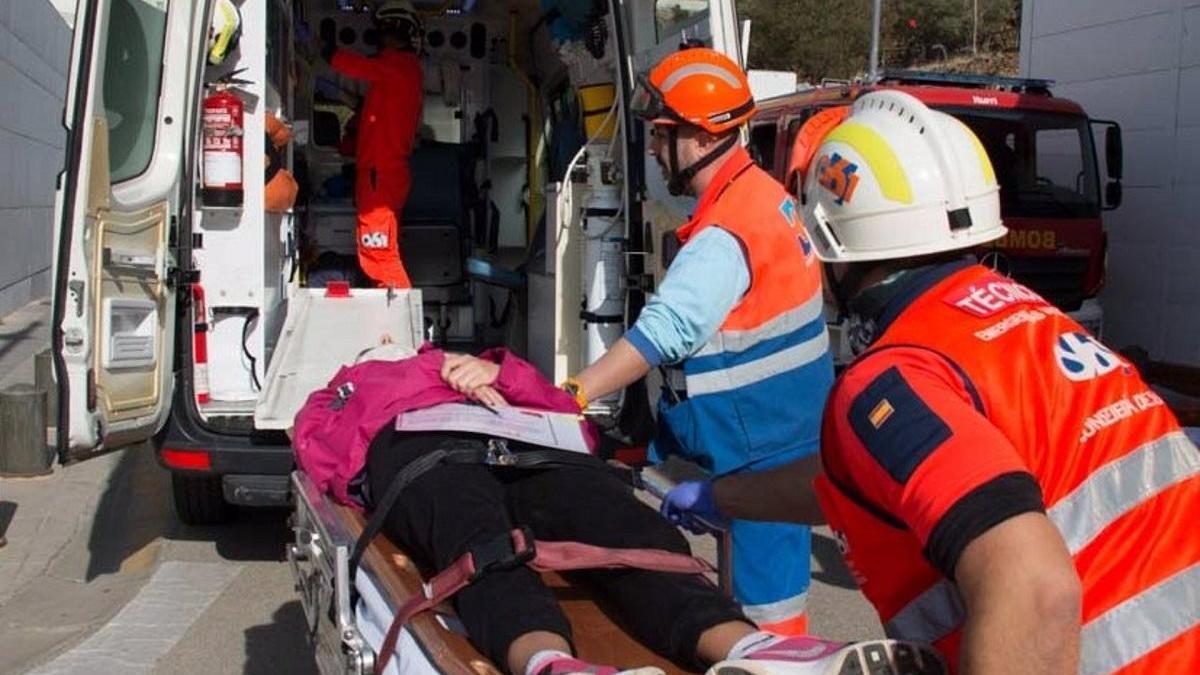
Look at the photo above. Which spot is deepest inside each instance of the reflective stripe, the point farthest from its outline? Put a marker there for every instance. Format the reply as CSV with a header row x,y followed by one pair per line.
x,y
931,616
1142,623
741,340
1107,494
780,610
1115,488
748,373
699,69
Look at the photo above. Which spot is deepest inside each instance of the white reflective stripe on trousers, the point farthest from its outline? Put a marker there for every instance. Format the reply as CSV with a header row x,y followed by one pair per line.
x,y
1142,623
774,612
746,374
1110,492
741,340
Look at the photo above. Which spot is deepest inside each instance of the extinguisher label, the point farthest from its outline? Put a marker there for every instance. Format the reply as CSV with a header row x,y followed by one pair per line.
x,y
200,377
222,168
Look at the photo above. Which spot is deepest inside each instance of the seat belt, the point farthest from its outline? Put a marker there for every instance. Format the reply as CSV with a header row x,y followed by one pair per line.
x,y
511,549
494,453
518,547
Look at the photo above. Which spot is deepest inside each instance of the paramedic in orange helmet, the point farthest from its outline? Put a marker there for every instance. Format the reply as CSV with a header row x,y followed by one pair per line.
x,y
1004,485
387,130
736,324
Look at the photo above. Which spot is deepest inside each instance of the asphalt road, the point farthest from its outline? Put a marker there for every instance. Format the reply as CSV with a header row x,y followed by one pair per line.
x,y
253,623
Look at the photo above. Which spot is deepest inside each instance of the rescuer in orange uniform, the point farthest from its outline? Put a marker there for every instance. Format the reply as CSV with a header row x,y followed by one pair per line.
x,y
387,129
1004,485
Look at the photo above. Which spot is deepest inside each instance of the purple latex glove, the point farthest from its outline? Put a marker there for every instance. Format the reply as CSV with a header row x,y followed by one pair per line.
x,y
691,505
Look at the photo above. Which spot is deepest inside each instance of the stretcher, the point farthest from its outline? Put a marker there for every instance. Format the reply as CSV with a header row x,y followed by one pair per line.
x,y
347,619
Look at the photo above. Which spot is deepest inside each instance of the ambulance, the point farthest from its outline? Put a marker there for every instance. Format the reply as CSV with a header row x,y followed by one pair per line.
x,y
183,309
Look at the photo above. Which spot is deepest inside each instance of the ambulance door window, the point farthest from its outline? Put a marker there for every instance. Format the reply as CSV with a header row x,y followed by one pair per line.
x,y
671,16
132,83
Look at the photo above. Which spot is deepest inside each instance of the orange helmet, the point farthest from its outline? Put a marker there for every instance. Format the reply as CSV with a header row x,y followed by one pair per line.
x,y
697,86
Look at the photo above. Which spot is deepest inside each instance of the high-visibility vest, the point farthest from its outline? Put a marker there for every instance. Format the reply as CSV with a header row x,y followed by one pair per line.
x,y
755,390
1119,478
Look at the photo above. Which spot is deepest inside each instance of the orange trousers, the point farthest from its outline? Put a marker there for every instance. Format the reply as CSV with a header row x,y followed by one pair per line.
x,y
379,198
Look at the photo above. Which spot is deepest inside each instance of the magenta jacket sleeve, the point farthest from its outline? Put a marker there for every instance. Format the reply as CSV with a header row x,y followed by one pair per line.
x,y
521,384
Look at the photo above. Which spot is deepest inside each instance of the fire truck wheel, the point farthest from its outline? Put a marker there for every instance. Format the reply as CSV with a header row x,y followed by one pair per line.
x,y
199,500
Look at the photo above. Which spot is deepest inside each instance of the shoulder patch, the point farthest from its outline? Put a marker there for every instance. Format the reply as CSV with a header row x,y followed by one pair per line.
x,y
898,428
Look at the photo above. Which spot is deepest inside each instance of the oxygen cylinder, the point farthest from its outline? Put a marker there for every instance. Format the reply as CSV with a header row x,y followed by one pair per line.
x,y
603,312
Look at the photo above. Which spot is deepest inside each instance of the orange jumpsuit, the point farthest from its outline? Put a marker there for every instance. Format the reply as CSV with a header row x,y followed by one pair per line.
x,y
387,129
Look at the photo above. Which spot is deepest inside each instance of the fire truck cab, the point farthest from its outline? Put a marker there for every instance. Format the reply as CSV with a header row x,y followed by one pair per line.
x,y
1045,155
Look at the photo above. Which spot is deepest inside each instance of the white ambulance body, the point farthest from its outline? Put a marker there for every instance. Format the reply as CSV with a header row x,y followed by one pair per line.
x,y
532,220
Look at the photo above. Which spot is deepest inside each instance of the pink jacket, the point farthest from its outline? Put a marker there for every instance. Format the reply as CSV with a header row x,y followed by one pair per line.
x,y
337,423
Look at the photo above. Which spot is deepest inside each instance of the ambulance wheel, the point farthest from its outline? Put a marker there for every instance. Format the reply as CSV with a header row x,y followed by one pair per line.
x,y
199,500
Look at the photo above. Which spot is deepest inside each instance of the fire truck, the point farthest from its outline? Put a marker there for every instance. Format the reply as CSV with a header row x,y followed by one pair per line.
x,y
1053,189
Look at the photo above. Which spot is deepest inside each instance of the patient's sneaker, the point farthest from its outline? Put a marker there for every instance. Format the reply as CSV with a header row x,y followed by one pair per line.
x,y
569,665
814,656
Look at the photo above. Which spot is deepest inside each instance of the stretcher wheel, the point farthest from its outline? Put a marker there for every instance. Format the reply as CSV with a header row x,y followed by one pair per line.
x,y
199,500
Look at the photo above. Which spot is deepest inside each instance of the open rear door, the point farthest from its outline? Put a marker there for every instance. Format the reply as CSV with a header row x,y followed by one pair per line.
x,y
657,28
129,115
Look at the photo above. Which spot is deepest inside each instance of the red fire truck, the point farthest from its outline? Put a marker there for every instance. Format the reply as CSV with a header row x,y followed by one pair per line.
x,y
1045,156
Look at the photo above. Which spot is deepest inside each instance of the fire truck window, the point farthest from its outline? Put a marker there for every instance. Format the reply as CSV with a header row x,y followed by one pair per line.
x,y
1044,162
132,78
1059,165
762,145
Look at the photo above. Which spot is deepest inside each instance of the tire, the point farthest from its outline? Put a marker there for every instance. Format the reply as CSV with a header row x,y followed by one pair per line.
x,y
199,500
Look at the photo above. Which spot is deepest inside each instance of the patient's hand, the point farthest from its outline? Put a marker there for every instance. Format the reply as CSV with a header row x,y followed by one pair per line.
x,y
465,373
488,396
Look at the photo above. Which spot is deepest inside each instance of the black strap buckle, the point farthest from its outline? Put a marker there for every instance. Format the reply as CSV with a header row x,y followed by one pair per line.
x,y
502,552
498,453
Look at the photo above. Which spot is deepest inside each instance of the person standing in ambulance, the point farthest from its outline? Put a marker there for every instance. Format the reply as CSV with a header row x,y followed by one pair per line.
x,y
387,130
737,317
1004,485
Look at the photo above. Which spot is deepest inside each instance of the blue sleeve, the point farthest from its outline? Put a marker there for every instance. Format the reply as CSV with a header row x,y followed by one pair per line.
x,y
707,278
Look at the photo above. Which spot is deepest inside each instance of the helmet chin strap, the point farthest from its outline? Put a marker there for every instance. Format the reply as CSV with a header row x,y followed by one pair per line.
x,y
680,179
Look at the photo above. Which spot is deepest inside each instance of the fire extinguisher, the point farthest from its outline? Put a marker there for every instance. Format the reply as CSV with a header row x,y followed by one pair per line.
x,y
200,345
222,120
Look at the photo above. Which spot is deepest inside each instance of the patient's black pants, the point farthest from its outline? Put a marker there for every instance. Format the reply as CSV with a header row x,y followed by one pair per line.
x,y
453,507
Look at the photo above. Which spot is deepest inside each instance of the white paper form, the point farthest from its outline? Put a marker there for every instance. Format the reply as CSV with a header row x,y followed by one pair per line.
x,y
538,427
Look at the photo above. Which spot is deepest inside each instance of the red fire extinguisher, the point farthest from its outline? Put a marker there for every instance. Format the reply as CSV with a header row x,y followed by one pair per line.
x,y
200,345
222,120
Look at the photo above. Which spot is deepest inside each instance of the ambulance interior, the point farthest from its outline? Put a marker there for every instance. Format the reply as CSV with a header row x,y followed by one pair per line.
x,y
516,217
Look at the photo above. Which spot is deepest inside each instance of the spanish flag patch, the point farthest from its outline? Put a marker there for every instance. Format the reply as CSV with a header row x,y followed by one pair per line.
x,y
880,413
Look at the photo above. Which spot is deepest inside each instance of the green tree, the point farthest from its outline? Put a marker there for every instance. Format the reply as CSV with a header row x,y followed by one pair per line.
x,y
818,38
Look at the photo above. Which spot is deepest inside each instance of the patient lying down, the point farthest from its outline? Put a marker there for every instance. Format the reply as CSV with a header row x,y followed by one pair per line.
x,y
509,614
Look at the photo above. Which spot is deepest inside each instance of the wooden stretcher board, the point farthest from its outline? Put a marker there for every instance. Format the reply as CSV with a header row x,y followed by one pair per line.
x,y
598,638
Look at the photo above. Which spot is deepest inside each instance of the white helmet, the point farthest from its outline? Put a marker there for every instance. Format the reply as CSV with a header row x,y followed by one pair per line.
x,y
897,179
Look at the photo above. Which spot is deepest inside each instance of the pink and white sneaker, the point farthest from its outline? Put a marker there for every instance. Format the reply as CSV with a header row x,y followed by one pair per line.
x,y
814,656
574,666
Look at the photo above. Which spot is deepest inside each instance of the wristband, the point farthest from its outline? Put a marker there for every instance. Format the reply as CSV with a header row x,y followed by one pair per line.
x,y
575,389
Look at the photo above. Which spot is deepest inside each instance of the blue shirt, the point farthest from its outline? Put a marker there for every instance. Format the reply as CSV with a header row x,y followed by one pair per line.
x,y
705,281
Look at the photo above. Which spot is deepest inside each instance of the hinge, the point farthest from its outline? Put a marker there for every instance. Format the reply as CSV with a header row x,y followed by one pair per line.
x,y
177,277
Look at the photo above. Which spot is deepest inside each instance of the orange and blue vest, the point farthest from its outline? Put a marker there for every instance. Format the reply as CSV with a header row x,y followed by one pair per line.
x,y
755,389
981,401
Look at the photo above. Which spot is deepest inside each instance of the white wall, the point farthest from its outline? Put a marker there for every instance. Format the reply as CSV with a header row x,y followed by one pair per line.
x,y
1138,63
35,46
